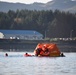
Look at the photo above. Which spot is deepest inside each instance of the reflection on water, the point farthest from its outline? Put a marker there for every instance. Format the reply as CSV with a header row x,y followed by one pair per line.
x,y
17,64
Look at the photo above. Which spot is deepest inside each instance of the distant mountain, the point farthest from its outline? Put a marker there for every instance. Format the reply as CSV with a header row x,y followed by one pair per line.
x,y
63,5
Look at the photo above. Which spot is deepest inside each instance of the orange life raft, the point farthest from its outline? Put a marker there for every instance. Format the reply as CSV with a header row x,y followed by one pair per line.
x,y
47,49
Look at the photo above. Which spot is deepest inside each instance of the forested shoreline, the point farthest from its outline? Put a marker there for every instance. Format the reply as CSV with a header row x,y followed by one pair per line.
x,y
54,23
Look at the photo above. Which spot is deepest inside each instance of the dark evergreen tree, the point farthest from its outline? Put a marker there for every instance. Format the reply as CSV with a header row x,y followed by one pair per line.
x,y
52,23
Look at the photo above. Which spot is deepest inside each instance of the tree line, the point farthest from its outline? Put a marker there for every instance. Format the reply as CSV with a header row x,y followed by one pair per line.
x,y
55,24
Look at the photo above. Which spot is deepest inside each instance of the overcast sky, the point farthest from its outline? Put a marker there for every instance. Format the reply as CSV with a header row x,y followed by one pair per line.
x,y
26,1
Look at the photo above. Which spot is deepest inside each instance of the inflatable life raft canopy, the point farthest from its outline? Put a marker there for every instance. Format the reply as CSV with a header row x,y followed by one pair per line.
x,y
47,49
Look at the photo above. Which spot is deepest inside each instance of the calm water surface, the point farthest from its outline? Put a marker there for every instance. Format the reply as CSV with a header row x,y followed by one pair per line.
x,y
17,64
